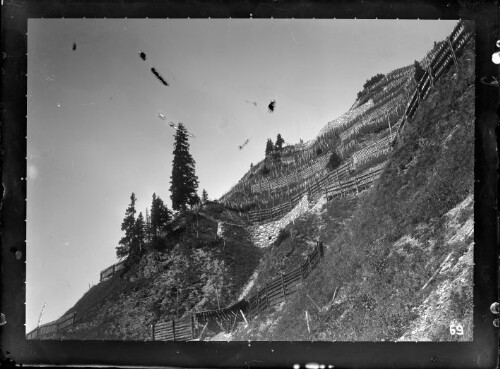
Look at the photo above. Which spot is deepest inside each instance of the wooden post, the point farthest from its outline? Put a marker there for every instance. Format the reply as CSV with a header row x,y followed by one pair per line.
x,y
418,89
267,298
453,53
307,321
258,302
283,287
321,249
429,71
152,332
243,315
173,329
192,327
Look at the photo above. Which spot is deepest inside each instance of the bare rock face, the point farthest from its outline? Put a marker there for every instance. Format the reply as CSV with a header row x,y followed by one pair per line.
x,y
264,235
449,290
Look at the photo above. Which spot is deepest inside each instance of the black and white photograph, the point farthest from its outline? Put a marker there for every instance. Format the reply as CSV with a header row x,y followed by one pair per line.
x,y
250,180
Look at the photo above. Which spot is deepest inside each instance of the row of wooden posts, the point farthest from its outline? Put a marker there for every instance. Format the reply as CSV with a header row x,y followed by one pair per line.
x,y
112,270
59,325
442,59
271,294
323,185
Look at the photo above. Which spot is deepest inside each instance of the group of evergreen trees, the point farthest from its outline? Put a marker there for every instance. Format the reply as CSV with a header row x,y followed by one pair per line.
x,y
270,147
370,82
139,231
183,186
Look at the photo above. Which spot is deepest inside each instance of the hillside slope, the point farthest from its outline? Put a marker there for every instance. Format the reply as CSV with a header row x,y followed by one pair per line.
x,y
196,269
389,195
402,268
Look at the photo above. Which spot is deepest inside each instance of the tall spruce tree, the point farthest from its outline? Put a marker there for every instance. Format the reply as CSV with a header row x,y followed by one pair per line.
x,y
139,236
279,142
269,146
147,226
204,196
126,243
160,215
183,182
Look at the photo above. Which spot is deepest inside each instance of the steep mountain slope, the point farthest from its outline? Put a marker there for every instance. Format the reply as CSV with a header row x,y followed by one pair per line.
x,y
196,269
390,196
402,268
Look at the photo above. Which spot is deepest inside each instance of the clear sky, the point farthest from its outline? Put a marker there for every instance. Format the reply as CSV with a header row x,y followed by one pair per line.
x,y
94,134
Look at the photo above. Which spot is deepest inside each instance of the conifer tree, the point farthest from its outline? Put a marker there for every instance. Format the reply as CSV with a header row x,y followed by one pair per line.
x,y
128,226
160,215
204,196
139,236
419,71
269,146
279,142
147,226
183,182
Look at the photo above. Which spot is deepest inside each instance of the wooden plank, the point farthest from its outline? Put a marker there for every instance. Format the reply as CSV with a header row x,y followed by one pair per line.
x,y
292,283
283,290
182,328
273,283
163,329
276,287
294,272
277,300
184,337
292,278
182,331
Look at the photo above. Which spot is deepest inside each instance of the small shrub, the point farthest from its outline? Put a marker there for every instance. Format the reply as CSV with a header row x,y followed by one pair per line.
x,y
334,161
283,235
265,170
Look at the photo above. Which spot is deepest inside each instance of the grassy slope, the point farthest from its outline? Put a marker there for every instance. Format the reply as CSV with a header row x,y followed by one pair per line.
x,y
168,284
426,177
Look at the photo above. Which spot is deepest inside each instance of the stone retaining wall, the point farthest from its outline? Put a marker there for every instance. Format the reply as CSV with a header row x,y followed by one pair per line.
x,y
264,235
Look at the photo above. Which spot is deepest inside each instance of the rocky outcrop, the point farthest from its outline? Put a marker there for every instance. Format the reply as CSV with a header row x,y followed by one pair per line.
x,y
264,235
449,290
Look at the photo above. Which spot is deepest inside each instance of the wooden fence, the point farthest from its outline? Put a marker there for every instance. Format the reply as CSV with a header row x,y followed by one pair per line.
x,y
444,58
436,64
112,270
53,327
283,288
334,184
273,293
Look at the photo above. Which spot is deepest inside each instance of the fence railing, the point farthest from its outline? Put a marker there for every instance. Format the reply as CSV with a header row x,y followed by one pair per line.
x,y
336,183
53,327
273,293
441,61
112,270
283,288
